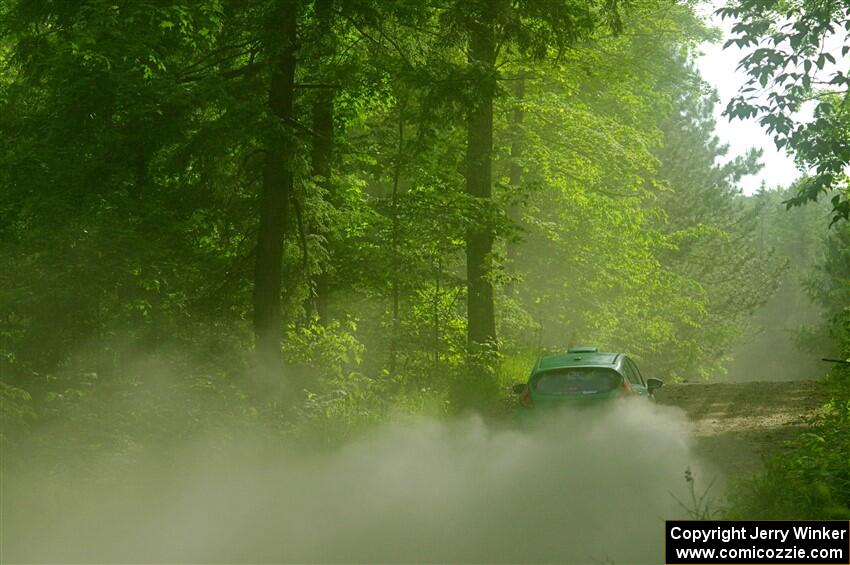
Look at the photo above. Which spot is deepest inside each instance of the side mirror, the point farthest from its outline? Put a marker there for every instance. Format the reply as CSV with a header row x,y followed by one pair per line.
x,y
519,388
654,384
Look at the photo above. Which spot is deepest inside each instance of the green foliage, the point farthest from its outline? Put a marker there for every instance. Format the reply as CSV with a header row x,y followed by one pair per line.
x,y
828,285
134,151
713,235
795,54
331,348
666,269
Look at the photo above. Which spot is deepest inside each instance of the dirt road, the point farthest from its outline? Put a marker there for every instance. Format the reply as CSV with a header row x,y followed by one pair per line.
x,y
737,424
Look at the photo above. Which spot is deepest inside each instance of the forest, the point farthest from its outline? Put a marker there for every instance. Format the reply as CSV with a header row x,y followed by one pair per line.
x,y
254,249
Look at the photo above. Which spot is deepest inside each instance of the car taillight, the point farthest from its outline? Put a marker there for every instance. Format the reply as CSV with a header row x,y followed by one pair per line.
x,y
525,398
626,388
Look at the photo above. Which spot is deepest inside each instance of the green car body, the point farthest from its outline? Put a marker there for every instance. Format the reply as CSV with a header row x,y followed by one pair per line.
x,y
584,376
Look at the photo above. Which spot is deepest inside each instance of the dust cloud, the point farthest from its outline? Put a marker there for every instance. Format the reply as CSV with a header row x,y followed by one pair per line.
x,y
584,487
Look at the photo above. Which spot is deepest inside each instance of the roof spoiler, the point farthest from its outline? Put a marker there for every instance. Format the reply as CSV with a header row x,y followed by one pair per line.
x,y
582,349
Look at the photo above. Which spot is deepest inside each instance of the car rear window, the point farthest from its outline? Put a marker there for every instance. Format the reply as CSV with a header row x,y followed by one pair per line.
x,y
578,380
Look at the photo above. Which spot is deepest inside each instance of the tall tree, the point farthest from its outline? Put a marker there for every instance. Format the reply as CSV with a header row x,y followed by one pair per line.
x,y
277,183
712,231
513,32
481,318
323,135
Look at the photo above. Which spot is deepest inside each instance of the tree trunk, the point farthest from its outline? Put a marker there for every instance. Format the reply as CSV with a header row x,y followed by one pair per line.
x,y
515,177
323,143
437,270
276,192
481,328
394,288
517,116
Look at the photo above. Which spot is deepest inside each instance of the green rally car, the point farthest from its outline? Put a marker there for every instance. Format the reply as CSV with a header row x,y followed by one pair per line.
x,y
584,375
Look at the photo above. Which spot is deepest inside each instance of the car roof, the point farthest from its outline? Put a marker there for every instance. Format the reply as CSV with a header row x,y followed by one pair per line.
x,y
578,359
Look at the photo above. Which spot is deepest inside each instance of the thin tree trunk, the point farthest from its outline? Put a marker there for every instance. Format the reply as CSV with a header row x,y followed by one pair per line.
x,y
276,191
322,159
395,290
323,144
515,175
517,117
437,271
479,237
